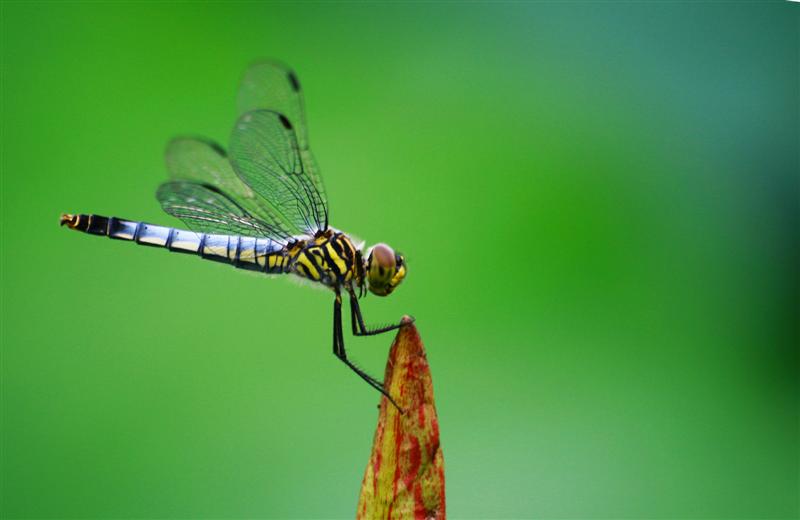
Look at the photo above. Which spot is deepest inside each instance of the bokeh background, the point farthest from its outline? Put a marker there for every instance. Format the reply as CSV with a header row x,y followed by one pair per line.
x,y
598,203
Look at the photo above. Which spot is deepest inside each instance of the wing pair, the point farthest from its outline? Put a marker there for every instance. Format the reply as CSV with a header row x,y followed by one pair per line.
x,y
268,185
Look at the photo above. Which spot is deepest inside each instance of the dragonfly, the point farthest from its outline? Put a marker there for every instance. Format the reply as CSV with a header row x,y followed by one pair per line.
x,y
261,206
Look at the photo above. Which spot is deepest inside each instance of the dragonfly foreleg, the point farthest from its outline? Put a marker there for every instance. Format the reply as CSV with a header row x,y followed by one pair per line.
x,y
339,351
359,328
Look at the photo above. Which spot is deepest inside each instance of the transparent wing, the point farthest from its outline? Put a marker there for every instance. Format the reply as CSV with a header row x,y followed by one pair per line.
x,y
264,153
205,162
197,159
205,209
270,85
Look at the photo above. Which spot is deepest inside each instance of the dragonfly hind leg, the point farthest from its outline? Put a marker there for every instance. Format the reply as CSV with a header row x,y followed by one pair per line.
x,y
339,351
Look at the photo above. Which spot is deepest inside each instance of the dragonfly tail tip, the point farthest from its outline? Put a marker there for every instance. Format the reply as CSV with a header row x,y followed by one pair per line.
x,y
68,219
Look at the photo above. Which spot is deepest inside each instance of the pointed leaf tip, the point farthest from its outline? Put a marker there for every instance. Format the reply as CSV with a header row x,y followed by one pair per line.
x,y
405,474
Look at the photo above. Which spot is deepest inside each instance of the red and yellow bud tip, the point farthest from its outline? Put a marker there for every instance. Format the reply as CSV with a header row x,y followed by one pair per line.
x,y
405,474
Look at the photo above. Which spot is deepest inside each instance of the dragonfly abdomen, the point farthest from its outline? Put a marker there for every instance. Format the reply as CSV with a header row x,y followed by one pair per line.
x,y
254,254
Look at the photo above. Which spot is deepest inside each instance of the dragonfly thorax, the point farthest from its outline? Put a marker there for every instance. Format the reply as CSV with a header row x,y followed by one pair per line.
x,y
329,258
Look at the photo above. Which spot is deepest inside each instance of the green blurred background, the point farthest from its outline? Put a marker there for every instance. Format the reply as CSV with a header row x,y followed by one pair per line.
x,y
599,207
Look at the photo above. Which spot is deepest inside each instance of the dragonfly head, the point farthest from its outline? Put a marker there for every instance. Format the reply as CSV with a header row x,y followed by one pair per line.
x,y
386,268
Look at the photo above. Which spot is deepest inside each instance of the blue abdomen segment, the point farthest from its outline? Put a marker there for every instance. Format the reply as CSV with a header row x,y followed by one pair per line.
x,y
255,254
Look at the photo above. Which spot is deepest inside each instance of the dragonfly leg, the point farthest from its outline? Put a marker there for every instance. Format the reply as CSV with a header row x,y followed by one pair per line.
x,y
359,328
338,351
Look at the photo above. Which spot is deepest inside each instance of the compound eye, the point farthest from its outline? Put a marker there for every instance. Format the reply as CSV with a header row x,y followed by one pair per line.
x,y
383,256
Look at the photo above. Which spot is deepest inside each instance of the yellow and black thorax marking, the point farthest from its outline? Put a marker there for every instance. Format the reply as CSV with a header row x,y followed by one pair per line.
x,y
329,258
